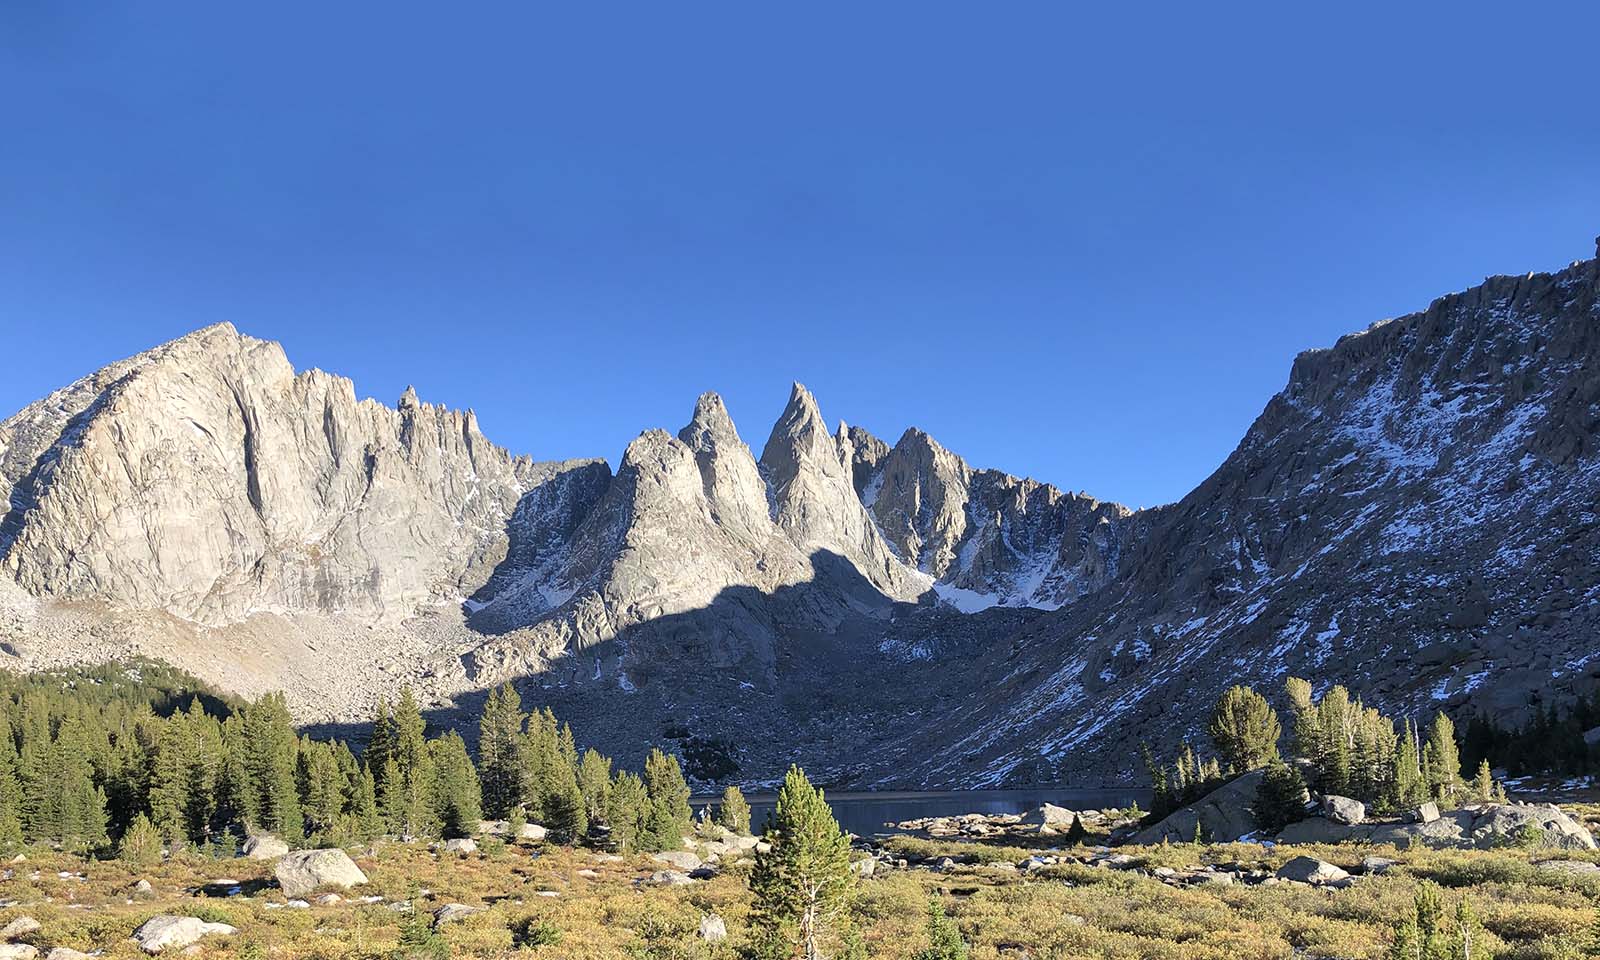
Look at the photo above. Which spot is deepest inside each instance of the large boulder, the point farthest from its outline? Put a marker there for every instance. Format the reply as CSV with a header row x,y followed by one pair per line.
x,y
1311,870
1320,830
303,871
1049,816
1222,816
1452,828
1343,809
264,846
1501,823
167,932
453,913
18,951
682,859
1426,813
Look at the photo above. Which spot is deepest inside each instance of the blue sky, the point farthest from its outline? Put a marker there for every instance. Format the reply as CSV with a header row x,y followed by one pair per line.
x,y
1078,244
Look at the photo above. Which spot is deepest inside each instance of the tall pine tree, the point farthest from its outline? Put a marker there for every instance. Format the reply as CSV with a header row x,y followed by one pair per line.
x,y
669,801
405,790
802,883
500,762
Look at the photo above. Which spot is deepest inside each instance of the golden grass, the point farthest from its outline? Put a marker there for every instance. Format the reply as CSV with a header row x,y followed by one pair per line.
x,y
1060,913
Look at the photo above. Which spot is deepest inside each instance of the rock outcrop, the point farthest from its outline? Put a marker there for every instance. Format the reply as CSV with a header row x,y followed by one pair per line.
x,y
988,538
1481,827
1221,816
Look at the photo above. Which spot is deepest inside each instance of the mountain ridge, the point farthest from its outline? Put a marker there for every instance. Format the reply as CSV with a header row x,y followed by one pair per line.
x,y
1390,514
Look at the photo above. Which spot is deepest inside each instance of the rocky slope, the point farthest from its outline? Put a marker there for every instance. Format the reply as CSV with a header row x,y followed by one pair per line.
x,y
1411,515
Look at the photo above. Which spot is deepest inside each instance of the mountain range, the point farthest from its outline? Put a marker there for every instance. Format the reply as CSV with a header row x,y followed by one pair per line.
x,y
1413,515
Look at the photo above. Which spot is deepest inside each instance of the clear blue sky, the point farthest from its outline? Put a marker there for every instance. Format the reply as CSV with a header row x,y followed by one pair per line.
x,y
1078,242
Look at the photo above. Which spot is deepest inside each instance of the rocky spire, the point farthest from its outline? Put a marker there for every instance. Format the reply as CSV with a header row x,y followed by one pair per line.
x,y
814,499
735,494
711,426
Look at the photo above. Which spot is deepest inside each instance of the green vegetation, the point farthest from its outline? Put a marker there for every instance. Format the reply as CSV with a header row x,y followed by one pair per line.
x,y
1281,798
1551,742
160,787
944,937
1433,933
140,761
1244,729
733,811
606,909
802,884
1349,749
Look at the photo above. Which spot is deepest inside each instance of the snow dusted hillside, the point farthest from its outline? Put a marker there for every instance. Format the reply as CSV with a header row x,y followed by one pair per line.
x,y
1412,516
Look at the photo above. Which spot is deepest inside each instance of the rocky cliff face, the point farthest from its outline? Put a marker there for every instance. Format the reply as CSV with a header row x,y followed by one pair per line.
x,y
985,537
1412,516
205,478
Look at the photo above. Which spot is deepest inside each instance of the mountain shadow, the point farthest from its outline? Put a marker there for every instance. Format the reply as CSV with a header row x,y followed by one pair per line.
x,y
829,673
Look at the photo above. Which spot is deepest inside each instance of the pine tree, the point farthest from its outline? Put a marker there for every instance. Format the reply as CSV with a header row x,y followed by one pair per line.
x,y
802,884
594,783
10,790
141,843
1244,729
205,771
500,764
669,801
1162,801
61,800
236,801
405,793
169,783
628,812
457,799
1411,786
1483,783
271,749
1307,729
127,779
1429,908
1280,797
1464,934
322,787
1077,833
1334,720
538,754
380,748
367,820
944,938
1443,761
733,812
